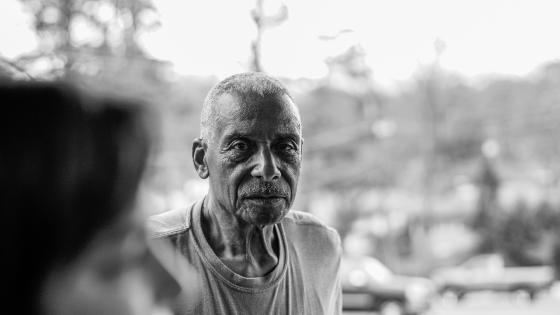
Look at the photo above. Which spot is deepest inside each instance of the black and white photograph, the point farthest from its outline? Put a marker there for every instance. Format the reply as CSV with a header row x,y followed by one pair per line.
x,y
290,157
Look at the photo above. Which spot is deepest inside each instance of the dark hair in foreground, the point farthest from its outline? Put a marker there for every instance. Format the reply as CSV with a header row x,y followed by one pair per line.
x,y
69,166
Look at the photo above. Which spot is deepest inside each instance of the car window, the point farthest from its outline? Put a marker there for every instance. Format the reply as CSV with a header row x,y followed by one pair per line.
x,y
483,261
378,271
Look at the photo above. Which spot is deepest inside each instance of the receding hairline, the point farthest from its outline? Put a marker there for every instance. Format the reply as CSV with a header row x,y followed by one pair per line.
x,y
249,86
247,83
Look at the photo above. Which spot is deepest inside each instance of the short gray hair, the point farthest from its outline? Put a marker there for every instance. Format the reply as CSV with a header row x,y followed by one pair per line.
x,y
245,86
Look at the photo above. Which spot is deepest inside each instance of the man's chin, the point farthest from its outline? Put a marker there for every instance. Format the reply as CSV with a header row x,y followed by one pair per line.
x,y
265,203
261,216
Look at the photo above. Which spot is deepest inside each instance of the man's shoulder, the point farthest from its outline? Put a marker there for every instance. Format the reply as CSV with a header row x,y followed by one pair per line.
x,y
169,223
312,238
304,219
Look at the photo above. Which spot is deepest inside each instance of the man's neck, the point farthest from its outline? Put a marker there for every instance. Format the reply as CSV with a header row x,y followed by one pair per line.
x,y
246,249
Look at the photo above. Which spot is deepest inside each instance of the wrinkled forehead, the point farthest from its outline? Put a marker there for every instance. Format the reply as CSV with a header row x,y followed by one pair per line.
x,y
275,108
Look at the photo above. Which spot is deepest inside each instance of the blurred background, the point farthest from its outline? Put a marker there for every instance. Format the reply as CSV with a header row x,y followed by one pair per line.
x,y
431,127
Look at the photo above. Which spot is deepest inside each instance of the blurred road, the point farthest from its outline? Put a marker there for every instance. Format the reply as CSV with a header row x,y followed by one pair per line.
x,y
487,303
499,304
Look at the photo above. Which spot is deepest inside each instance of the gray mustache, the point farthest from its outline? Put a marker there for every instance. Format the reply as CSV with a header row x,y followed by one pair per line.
x,y
263,188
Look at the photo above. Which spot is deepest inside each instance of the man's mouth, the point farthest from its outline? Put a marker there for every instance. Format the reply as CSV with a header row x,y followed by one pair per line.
x,y
265,199
264,196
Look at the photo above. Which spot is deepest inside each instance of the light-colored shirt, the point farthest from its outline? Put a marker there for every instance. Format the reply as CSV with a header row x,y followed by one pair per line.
x,y
305,280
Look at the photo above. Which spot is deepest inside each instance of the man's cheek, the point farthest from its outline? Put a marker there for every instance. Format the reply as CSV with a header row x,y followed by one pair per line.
x,y
230,186
293,158
294,172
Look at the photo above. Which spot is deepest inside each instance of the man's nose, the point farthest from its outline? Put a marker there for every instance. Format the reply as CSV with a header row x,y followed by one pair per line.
x,y
265,166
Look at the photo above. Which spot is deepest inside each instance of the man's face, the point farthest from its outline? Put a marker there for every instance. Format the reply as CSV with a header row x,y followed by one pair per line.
x,y
254,160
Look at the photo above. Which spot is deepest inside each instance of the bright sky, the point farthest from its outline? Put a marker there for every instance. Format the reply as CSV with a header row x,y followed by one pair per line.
x,y
214,36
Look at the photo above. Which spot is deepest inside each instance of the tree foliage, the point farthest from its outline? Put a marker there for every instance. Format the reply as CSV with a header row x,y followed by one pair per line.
x,y
86,35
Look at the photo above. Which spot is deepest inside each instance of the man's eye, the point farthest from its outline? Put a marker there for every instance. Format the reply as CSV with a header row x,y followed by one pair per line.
x,y
285,147
240,146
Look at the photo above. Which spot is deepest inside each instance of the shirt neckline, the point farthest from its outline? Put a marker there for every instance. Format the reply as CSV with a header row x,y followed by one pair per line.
x,y
234,280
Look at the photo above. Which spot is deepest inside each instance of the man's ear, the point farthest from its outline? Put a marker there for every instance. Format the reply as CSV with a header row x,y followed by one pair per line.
x,y
199,158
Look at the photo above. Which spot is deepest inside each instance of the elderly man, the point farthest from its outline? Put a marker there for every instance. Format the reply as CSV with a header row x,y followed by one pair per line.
x,y
252,255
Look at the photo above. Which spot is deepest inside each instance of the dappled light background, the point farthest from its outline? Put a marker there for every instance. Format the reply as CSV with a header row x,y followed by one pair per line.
x,y
431,127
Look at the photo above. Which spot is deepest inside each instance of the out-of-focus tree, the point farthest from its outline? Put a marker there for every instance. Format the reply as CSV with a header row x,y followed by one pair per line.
x,y
548,220
349,214
543,134
264,21
10,71
519,235
340,149
488,217
86,35
95,43
350,72
344,111
556,259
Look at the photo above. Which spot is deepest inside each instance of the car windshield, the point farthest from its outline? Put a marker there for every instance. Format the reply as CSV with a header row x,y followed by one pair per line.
x,y
378,270
483,261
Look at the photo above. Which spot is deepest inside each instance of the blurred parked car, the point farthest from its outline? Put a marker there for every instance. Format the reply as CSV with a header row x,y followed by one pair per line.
x,y
369,285
489,272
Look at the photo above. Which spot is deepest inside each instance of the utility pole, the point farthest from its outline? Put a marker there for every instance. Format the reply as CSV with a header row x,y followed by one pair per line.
x,y
432,111
430,85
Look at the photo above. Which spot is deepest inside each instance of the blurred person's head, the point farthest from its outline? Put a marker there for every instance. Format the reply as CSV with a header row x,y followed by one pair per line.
x,y
250,147
70,166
